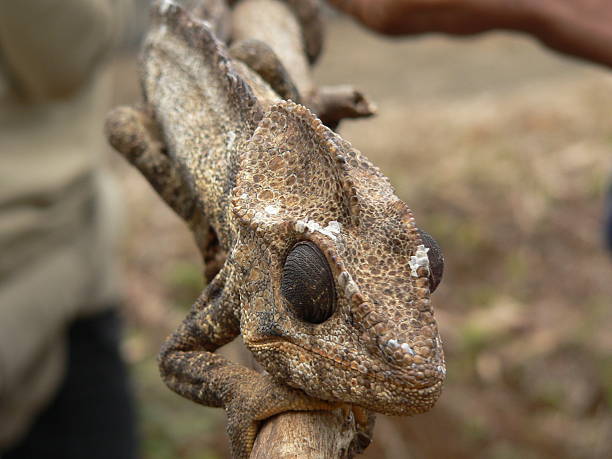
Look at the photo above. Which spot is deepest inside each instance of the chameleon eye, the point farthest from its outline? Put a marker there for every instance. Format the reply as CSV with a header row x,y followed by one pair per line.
x,y
436,260
307,283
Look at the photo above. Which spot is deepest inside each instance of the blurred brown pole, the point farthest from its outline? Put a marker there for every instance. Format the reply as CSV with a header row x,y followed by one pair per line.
x,y
306,435
293,434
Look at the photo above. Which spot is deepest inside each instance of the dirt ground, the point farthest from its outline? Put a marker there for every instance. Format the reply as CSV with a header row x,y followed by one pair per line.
x,y
503,151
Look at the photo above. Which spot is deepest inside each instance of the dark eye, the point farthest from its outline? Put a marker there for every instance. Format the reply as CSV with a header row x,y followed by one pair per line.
x,y
308,284
436,260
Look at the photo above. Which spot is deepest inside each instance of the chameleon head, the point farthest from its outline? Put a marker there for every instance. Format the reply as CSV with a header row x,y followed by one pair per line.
x,y
337,293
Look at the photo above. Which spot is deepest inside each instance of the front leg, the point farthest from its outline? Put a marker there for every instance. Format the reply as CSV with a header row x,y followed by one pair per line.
x,y
263,60
136,135
189,366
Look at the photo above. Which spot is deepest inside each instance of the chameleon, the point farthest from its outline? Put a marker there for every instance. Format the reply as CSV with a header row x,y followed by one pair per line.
x,y
310,256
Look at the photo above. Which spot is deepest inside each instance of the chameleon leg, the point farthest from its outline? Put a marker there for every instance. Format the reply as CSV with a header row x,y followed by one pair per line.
x,y
190,368
135,134
187,362
264,61
365,420
330,103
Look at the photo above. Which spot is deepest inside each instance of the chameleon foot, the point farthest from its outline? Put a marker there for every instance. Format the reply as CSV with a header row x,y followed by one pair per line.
x,y
257,400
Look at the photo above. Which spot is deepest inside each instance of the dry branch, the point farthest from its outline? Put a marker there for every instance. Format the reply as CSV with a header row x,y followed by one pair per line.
x,y
306,435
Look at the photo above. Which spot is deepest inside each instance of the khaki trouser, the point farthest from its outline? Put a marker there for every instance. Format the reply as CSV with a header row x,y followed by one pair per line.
x,y
57,224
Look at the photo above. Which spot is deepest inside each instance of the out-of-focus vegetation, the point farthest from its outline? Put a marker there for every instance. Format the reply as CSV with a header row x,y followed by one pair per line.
x,y
504,152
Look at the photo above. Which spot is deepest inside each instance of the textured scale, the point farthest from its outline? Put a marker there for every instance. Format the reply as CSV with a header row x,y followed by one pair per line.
x,y
321,267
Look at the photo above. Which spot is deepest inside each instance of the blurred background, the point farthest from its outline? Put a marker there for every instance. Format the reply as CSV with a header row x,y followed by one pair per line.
x,y
503,150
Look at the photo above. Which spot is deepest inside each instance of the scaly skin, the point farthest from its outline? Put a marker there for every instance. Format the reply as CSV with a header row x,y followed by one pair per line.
x,y
253,176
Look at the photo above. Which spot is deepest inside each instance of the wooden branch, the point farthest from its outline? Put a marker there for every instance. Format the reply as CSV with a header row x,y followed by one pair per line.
x,y
306,435
292,434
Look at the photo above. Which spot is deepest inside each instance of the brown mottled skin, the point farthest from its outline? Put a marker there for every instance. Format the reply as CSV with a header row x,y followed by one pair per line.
x,y
313,247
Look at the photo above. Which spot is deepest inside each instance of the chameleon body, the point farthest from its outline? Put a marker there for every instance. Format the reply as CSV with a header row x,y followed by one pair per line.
x,y
320,266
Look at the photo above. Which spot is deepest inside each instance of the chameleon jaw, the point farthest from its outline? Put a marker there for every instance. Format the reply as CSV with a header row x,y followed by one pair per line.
x,y
387,391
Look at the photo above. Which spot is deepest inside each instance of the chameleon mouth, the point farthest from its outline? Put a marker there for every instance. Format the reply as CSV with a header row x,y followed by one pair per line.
x,y
387,391
430,384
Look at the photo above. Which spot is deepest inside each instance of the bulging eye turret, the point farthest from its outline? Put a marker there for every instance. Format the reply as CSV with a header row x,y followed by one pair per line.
x,y
436,260
307,283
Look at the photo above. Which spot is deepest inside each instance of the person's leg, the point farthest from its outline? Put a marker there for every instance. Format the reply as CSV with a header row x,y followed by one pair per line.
x,y
92,415
608,219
